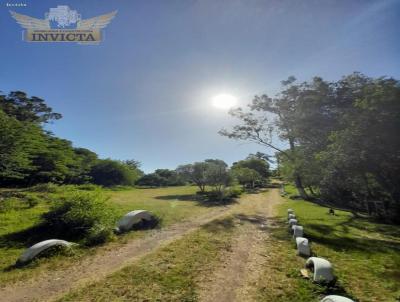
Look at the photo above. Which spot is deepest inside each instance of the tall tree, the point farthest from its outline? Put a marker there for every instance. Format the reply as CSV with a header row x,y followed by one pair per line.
x,y
269,116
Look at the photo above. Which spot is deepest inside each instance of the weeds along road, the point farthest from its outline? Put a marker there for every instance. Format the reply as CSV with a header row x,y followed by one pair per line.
x,y
256,208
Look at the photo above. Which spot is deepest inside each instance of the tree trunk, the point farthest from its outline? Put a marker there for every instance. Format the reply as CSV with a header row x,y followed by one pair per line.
x,y
311,190
300,188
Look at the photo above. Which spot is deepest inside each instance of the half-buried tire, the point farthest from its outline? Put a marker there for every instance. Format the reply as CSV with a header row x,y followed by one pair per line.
x,y
139,219
40,248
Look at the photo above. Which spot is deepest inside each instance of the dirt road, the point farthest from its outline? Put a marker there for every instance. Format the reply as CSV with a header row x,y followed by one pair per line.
x,y
237,275
238,269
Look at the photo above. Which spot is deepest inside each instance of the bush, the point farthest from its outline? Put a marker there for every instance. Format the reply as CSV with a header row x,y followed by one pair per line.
x,y
223,196
234,192
46,188
88,187
8,204
83,216
32,200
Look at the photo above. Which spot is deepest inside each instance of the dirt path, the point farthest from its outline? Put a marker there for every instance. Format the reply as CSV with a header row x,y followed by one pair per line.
x,y
55,283
237,275
231,281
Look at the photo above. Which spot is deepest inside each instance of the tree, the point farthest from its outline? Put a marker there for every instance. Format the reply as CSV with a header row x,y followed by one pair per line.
x,y
161,177
261,166
85,160
107,172
246,176
27,109
267,116
195,173
18,142
217,175
151,180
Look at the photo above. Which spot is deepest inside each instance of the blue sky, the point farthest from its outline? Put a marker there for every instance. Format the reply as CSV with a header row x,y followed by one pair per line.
x,y
145,92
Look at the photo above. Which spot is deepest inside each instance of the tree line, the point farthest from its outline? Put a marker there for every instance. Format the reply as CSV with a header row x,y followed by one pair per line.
x,y
342,138
29,154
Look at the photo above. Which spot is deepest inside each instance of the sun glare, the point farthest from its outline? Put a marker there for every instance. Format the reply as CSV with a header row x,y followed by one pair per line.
x,y
224,101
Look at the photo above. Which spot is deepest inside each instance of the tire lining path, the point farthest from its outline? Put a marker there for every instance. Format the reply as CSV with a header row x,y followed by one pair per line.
x,y
233,280
53,284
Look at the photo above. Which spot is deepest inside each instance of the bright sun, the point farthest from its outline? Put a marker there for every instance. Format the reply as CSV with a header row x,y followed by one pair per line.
x,y
224,101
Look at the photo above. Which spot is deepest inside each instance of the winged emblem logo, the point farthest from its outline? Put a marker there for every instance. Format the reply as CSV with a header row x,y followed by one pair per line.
x,y
61,24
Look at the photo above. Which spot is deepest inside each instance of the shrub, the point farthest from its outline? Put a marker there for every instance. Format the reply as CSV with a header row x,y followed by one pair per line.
x,y
32,200
83,216
46,188
234,192
88,187
8,204
223,196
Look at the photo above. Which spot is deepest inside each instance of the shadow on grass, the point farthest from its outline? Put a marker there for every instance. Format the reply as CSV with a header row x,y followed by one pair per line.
x,y
325,235
198,198
220,225
253,219
182,197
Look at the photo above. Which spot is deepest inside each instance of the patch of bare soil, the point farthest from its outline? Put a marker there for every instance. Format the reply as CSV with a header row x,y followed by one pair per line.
x,y
53,284
235,279
232,280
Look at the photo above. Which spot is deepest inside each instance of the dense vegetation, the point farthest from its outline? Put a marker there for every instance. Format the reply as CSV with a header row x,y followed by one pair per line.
x,y
343,139
29,154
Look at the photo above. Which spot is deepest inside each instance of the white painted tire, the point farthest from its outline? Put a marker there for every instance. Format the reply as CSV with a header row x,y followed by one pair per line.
x,y
335,298
291,216
292,222
323,271
130,219
290,211
40,247
303,246
298,231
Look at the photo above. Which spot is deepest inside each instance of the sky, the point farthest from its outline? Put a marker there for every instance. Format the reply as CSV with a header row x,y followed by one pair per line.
x,y
145,92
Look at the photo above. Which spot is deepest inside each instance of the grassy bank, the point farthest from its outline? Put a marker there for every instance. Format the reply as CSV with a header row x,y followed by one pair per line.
x,y
365,256
17,225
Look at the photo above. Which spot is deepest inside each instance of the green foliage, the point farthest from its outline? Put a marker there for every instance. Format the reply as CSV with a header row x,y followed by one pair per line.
x,y
217,176
342,136
194,173
18,142
259,165
109,173
32,200
246,176
8,204
160,178
88,187
46,188
83,215
27,109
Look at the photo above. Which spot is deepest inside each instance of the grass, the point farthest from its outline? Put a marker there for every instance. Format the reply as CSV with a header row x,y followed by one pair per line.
x,y
171,273
365,256
17,226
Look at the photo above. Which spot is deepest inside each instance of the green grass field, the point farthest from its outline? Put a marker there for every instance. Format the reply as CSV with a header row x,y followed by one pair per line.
x,y
171,204
365,256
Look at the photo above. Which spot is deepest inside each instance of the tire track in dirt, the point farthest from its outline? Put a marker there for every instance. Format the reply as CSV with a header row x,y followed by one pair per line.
x,y
53,284
235,279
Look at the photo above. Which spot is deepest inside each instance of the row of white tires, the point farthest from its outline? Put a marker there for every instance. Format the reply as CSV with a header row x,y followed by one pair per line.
x,y
321,268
